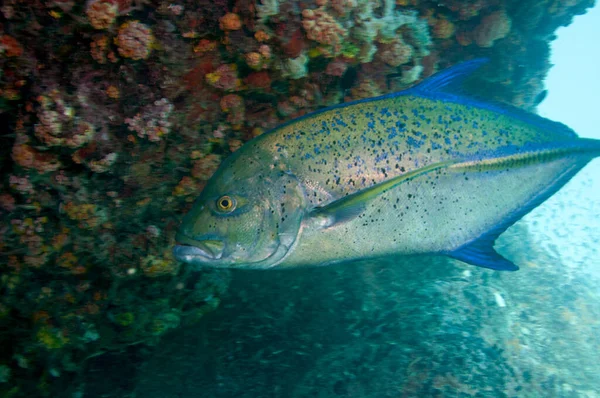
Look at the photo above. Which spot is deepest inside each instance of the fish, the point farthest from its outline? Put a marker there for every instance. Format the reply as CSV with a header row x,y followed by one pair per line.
x,y
426,170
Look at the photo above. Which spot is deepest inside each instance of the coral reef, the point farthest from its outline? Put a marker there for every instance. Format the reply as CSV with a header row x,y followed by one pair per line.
x,y
119,112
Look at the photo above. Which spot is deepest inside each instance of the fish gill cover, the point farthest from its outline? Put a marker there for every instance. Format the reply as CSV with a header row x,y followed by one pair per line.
x,y
116,113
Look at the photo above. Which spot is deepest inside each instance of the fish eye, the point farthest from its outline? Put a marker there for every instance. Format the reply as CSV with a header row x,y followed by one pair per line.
x,y
226,204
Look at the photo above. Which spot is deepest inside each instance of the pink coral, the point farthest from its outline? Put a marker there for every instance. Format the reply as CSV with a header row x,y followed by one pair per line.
x,y
58,125
443,28
7,202
153,121
231,102
265,51
233,105
492,27
466,9
395,53
337,67
102,13
366,88
224,77
21,184
134,40
324,29
343,7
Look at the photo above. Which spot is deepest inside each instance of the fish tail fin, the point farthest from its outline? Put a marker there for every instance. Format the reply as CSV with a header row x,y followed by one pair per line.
x,y
591,146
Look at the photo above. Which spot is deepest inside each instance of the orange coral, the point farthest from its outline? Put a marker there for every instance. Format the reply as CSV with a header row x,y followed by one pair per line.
x,y
204,168
102,13
254,60
99,48
29,158
80,212
154,266
262,36
112,92
98,166
205,45
187,186
230,21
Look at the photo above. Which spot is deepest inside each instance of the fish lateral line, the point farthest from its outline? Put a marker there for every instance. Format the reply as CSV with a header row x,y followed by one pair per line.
x,y
351,206
524,159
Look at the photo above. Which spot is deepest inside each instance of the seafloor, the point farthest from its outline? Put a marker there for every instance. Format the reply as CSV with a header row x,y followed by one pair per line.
x,y
116,112
407,327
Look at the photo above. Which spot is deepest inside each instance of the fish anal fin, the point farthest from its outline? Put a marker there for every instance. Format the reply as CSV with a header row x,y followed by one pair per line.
x,y
481,253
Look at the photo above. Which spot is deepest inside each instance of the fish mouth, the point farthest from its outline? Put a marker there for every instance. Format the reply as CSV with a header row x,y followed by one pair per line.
x,y
190,250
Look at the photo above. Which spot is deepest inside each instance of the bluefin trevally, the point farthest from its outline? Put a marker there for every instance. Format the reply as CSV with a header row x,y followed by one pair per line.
x,y
421,171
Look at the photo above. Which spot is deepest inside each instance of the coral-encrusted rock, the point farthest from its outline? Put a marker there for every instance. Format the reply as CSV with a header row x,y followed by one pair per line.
x,y
102,13
134,40
492,27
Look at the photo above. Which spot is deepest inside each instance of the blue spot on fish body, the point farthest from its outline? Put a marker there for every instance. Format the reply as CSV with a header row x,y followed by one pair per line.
x,y
392,133
412,142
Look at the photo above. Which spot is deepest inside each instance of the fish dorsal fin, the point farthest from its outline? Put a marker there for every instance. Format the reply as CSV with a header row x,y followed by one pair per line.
x,y
447,85
451,79
351,206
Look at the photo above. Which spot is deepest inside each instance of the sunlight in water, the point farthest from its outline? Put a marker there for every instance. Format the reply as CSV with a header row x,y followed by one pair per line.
x,y
569,223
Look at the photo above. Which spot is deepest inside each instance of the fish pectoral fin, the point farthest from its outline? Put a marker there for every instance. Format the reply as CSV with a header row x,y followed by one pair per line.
x,y
326,217
481,253
351,206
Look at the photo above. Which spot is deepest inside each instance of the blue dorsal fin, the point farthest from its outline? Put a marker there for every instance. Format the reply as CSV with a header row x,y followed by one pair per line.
x,y
451,79
447,85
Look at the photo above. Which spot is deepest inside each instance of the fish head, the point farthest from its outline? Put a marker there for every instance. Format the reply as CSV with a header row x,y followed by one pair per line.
x,y
246,217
